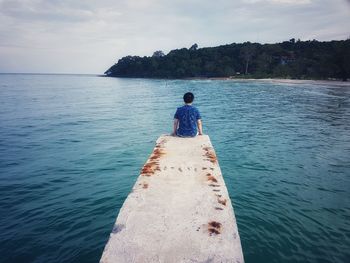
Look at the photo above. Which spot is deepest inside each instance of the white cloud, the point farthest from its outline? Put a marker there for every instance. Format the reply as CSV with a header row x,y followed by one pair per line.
x,y
293,2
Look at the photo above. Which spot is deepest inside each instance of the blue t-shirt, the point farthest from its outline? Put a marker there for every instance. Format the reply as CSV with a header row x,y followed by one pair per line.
x,y
187,116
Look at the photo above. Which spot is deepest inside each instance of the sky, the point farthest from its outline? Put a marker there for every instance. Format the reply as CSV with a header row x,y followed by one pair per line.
x,y
87,37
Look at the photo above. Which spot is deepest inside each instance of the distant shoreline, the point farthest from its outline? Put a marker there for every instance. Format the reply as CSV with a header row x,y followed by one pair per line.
x,y
287,81
274,80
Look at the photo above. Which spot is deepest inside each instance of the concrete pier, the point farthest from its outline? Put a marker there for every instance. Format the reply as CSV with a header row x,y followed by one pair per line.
x,y
179,209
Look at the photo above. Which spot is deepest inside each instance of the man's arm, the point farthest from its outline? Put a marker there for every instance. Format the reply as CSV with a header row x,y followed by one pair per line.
x,y
200,129
176,124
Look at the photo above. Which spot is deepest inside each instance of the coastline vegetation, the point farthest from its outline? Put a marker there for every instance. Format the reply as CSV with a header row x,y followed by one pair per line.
x,y
293,59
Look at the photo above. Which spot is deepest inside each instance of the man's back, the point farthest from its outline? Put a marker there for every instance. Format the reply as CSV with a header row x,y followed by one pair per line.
x,y
188,116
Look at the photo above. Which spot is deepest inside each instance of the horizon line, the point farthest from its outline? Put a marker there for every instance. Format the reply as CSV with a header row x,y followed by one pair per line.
x,y
48,73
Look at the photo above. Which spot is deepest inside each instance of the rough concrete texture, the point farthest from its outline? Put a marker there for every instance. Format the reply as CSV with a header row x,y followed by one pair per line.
x,y
179,209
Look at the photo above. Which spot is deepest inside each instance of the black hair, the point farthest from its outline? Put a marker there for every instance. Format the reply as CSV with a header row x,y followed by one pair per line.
x,y
188,97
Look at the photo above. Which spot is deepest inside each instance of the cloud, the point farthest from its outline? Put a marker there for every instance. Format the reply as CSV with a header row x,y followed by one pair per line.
x,y
292,2
42,11
88,36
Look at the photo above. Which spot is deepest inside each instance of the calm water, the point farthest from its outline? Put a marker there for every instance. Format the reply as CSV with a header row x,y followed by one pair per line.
x,y
71,148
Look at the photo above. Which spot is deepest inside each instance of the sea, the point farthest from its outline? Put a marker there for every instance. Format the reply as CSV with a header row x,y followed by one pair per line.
x,y
71,148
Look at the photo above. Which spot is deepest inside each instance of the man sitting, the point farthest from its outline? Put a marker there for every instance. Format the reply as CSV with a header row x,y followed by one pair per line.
x,y
187,118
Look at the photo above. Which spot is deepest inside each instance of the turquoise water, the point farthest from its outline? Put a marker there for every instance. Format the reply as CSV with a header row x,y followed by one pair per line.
x,y
72,146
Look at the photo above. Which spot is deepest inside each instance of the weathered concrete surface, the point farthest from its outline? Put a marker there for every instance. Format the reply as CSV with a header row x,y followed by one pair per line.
x,y
179,209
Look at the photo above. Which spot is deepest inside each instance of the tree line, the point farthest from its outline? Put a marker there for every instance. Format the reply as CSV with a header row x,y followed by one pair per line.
x,y
289,59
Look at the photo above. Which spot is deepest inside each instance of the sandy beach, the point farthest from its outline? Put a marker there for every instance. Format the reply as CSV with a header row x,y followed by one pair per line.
x,y
285,81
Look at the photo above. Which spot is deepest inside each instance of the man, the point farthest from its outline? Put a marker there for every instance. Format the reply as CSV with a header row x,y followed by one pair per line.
x,y
187,119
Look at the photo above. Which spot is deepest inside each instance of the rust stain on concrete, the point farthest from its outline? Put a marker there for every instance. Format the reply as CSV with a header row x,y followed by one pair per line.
x,y
214,228
222,201
152,165
212,179
210,154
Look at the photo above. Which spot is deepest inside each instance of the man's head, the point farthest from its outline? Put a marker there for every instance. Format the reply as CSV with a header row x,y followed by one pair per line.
x,y
188,97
